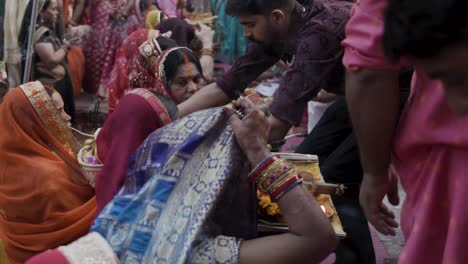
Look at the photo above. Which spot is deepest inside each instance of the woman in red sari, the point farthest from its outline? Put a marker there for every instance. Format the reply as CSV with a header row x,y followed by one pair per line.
x,y
134,64
135,59
113,21
178,77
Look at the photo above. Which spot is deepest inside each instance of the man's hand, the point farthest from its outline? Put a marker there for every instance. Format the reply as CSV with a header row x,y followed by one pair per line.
x,y
251,131
279,129
373,190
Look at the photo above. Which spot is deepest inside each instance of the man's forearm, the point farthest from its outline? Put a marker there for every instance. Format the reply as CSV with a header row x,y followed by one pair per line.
x,y
279,129
373,98
208,96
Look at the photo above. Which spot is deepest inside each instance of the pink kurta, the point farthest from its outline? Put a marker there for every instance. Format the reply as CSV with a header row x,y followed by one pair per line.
x,y
430,151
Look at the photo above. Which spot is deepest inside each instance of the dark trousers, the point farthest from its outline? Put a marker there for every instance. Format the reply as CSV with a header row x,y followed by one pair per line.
x,y
333,141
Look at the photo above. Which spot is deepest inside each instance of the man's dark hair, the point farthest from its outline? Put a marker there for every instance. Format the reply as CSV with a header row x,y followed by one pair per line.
x,y
420,28
169,104
256,7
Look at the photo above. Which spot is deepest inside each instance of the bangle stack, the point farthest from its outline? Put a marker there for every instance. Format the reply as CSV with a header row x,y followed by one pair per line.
x,y
275,176
207,52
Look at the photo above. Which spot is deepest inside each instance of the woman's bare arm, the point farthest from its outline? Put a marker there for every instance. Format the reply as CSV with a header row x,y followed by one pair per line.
x,y
209,96
311,237
205,34
48,55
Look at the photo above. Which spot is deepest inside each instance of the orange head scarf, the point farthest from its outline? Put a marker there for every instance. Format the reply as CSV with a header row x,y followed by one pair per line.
x,y
44,202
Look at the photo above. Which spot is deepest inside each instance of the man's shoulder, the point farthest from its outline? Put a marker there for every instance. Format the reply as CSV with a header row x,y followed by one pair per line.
x,y
327,16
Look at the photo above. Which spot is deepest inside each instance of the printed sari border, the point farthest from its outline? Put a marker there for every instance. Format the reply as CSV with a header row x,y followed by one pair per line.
x,y
49,115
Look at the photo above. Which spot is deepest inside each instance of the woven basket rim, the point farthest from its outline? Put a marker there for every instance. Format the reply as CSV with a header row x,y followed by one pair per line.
x,y
85,165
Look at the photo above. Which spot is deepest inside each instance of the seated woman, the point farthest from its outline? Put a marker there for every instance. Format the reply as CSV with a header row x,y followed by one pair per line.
x,y
44,202
198,38
185,197
178,77
49,64
135,64
112,22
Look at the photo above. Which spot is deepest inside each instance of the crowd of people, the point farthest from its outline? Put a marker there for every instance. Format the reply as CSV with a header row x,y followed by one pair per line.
x,y
177,162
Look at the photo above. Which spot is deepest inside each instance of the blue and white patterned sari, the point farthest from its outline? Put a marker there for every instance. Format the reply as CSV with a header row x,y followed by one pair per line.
x,y
184,199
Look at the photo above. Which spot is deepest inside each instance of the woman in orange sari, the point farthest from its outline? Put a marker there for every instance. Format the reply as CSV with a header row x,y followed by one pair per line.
x,y
44,200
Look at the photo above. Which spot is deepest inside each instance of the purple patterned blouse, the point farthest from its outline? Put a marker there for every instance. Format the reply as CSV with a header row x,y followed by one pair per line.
x,y
314,52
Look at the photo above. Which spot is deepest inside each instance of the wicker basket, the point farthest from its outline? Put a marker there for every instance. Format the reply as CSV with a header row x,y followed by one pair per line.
x,y
89,171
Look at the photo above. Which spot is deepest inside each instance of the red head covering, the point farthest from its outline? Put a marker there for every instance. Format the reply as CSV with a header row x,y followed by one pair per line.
x,y
134,65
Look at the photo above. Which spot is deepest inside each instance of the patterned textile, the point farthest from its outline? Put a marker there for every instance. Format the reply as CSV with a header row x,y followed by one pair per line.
x,y
134,65
173,207
107,36
138,114
313,50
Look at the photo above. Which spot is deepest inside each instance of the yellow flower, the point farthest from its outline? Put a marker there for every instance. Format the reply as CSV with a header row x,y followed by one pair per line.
x,y
273,209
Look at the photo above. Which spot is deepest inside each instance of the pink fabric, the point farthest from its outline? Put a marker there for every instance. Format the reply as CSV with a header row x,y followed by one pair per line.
x,y
430,151
132,121
169,7
48,257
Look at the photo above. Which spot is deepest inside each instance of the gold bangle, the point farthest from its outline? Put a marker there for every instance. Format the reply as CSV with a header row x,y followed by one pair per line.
x,y
287,176
267,173
274,174
282,179
207,51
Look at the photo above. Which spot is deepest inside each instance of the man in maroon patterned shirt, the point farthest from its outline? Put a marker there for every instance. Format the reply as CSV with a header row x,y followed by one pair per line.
x,y
306,34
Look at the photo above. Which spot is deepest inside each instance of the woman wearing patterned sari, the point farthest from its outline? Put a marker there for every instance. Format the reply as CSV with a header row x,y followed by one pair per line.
x,y
135,63
198,38
178,77
44,202
113,21
186,200
143,111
